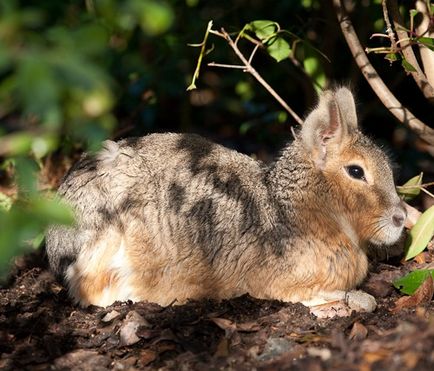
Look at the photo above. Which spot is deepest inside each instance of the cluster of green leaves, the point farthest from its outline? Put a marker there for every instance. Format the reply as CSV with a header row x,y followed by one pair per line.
x,y
280,44
56,86
423,231
418,237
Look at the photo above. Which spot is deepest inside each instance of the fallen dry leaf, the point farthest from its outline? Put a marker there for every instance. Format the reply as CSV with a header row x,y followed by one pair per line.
x,y
412,216
146,357
110,316
128,331
422,295
421,257
230,327
358,331
222,348
248,327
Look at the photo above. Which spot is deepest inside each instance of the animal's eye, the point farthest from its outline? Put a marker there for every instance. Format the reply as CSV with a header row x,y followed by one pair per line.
x,y
356,172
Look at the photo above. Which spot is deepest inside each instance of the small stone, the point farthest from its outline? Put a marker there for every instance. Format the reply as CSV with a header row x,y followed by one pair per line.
x,y
82,360
275,347
324,353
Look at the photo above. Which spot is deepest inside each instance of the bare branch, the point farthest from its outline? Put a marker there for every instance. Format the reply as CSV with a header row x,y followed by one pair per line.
x,y
377,84
418,75
250,69
426,54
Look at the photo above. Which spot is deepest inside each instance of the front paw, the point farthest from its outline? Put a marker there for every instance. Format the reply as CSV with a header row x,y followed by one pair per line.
x,y
341,304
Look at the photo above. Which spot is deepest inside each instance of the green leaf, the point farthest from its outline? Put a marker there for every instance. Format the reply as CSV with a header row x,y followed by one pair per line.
x,y
411,282
278,48
411,188
420,234
392,57
52,210
5,202
427,41
314,69
263,29
407,66
155,17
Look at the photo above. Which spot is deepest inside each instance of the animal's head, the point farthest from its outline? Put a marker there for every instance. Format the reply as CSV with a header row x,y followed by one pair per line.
x,y
356,173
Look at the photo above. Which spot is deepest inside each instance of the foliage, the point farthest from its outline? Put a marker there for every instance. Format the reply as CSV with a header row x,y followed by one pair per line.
x,y
410,189
394,52
56,84
420,234
412,281
73,73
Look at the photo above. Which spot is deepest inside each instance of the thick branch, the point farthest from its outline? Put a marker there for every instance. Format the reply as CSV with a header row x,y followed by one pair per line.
x,y
418,75
423,28
377,84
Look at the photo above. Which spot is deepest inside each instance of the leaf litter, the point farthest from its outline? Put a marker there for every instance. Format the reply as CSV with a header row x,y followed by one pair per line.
x,y
40,329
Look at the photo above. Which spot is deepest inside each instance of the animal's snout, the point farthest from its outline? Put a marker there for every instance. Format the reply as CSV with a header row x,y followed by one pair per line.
x,y
398,219
399,215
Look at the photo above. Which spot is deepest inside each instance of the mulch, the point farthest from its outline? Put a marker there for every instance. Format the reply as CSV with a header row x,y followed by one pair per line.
x,y
40,329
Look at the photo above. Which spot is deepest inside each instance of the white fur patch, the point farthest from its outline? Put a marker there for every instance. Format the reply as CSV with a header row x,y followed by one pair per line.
x,y
109,153
89,264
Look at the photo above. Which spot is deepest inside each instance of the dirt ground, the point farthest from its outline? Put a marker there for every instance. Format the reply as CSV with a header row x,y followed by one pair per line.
x,y
41,329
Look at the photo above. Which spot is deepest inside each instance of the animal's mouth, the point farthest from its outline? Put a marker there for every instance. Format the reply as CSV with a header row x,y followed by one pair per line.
x,y
387,230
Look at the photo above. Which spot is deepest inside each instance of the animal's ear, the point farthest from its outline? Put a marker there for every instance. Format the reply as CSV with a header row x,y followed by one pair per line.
x,y
327,125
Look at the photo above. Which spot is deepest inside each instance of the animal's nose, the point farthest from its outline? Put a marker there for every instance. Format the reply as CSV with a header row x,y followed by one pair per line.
x,y
398,219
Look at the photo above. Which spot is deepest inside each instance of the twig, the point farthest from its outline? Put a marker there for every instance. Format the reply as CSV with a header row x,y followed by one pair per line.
x,y
377,84
250,69
213,64
389,28
199,61
418,75
253,53
427,192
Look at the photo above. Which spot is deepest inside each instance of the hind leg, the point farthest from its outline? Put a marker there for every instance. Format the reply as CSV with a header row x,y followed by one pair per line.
x,y
101,273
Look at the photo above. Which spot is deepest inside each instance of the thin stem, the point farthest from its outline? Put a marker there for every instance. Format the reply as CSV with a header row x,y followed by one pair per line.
x,y
405,43
250,69
213,64
389,28
253,53
192,86
427,192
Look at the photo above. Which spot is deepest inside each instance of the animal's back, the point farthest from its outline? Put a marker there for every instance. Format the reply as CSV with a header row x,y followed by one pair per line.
x,y
151,209
171,217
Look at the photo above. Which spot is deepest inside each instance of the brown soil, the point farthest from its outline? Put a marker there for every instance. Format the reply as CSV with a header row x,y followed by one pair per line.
x,y
41,329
